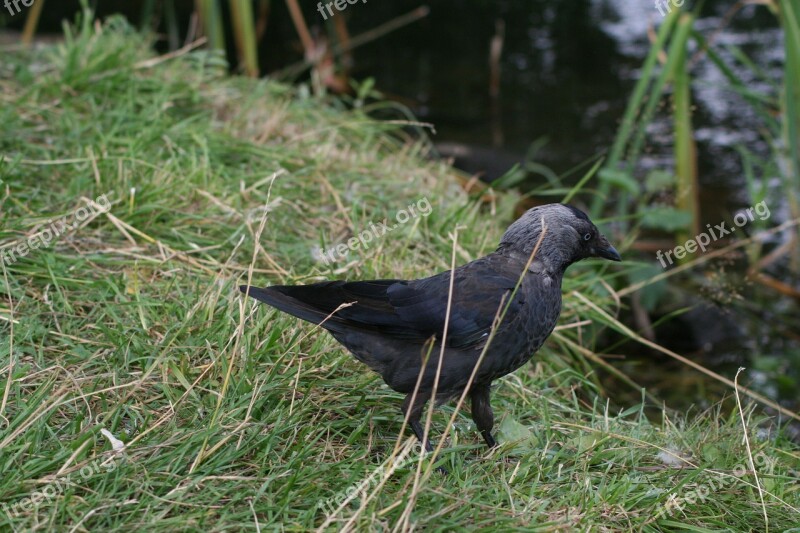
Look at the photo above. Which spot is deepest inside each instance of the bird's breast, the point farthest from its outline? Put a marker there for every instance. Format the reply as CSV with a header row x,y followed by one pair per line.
x,y
536,315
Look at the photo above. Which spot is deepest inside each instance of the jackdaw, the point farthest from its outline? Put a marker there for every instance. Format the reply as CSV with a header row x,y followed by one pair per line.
x,y
394,326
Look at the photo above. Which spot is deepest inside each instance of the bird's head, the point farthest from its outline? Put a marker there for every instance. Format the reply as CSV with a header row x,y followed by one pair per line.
x,y
570,237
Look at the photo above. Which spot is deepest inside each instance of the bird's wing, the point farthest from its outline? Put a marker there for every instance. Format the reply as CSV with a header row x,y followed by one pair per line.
x,y
412,311
479,291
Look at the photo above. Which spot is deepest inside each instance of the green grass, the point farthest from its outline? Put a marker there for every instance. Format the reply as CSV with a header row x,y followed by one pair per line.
x,y
238,417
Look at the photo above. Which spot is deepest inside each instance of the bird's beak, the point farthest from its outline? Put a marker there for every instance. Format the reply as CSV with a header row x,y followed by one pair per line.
x,y
609,253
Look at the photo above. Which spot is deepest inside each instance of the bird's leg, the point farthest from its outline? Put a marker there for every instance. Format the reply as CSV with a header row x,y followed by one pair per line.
x,y
413,413
482,412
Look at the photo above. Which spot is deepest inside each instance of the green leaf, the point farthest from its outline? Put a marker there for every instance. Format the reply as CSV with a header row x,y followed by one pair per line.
x,y
658,180
619,179
666,218
511,431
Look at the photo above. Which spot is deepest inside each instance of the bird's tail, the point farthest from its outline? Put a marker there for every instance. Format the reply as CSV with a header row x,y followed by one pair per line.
x,y
279,297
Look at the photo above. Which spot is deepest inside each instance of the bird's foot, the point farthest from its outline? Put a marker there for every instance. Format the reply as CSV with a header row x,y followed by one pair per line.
x,y
429,449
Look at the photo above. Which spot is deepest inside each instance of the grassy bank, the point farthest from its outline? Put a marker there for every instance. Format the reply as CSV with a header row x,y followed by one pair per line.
x,y
236,417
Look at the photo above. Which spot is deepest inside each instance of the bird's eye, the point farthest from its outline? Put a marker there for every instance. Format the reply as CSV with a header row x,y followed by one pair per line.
x,y
587,237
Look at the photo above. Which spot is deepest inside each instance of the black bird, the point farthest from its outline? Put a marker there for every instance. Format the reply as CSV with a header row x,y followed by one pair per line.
x,y
391,323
